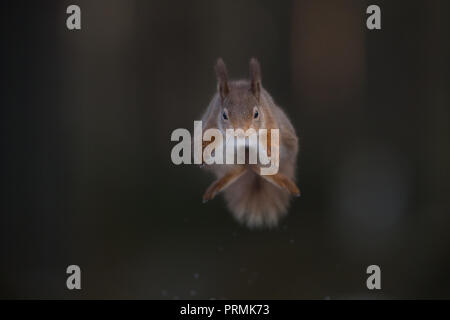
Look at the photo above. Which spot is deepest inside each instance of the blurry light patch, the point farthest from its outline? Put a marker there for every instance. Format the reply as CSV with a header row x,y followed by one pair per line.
x,y
328,52
371,193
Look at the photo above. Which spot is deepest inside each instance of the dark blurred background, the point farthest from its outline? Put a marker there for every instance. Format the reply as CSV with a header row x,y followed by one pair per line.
x,y
87,179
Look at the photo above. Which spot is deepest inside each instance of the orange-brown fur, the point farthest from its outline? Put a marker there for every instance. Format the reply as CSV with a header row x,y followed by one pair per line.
x,y
253,199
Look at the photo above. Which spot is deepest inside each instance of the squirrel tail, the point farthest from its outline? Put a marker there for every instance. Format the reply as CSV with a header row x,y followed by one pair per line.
x,y
256,202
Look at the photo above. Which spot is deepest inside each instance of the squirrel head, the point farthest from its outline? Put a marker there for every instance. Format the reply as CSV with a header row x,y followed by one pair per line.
x,y
241,106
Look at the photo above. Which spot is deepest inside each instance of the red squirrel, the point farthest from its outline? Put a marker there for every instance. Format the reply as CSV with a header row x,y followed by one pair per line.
x,y
254,199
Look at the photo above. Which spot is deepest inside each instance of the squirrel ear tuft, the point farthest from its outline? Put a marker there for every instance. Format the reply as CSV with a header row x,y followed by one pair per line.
x,y
255,77
222,78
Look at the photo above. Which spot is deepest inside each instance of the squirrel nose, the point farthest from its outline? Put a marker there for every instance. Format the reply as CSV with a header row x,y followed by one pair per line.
x,y
245,132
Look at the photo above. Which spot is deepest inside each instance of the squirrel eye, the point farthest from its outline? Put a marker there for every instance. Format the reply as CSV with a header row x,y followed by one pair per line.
x,y
256,114
224,115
